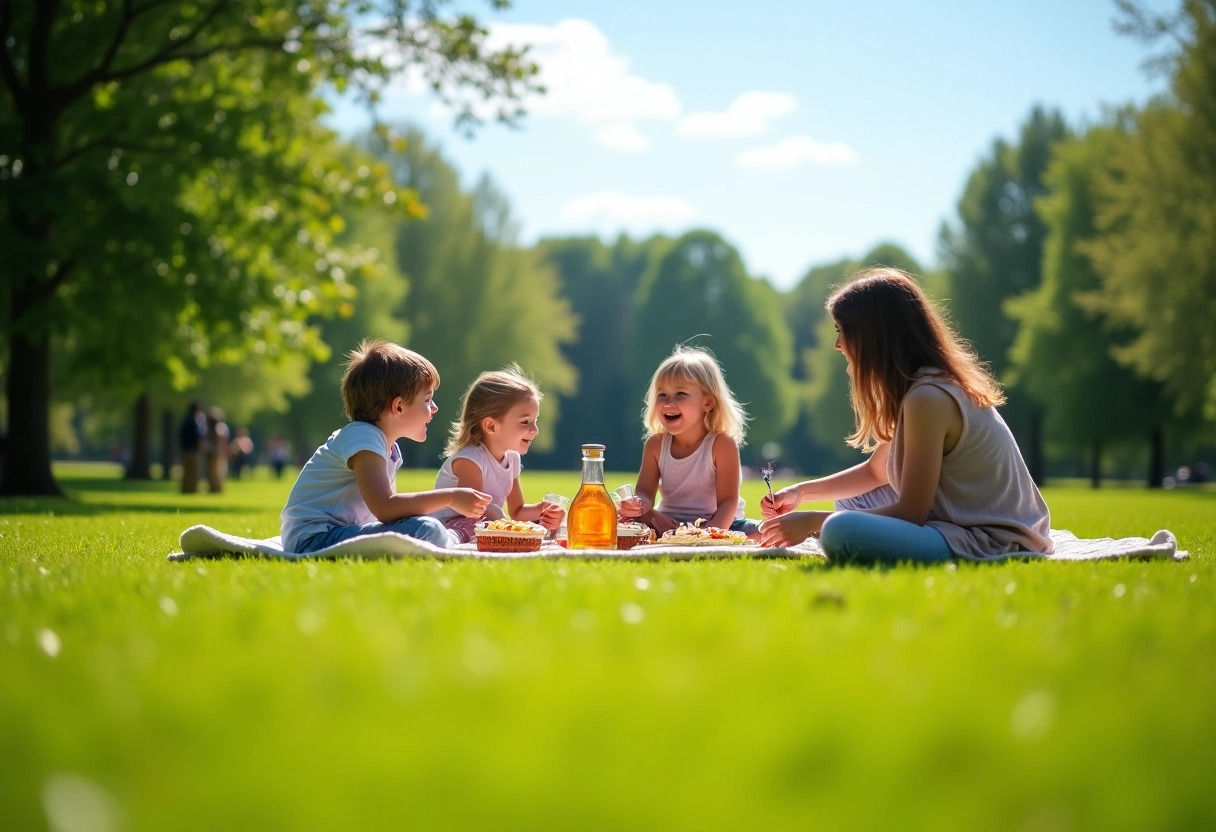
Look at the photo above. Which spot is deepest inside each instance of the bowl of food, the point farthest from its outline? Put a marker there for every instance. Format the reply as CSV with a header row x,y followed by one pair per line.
x,y
509,536
629,535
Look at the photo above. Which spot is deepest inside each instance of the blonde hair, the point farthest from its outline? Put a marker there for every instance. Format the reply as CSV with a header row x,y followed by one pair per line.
x,y
892,329
699,366
492,394
378,372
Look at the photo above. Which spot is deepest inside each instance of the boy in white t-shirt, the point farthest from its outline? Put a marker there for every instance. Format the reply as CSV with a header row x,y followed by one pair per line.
x,y
348,488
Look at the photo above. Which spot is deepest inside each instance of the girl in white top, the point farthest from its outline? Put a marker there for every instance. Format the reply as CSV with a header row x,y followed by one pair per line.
x,y
690,461
945,477
497,424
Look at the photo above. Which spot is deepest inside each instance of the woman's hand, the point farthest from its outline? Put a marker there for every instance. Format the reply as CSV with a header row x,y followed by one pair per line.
x,y
782,502
792,528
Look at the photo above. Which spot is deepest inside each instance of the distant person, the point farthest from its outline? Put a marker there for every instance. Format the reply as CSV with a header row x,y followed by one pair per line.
x,y
241,456
217,450
192,440
945,477
496,427
348,488
278,452
690,462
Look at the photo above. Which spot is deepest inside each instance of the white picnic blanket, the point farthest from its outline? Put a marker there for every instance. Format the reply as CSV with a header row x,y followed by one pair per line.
x,y
206,542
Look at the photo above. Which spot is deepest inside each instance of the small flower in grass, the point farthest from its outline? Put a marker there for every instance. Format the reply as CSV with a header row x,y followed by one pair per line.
x,y
49,642
632,613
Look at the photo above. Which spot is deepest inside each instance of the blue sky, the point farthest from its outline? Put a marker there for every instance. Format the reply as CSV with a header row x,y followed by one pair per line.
x,y
802,132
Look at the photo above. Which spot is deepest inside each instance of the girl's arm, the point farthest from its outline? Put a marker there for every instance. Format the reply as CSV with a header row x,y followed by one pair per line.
x,y
862,477
387,506
641,504
548,515
468,475
726,466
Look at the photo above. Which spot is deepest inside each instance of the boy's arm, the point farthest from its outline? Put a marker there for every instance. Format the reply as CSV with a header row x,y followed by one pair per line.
x,y
385,506
726,466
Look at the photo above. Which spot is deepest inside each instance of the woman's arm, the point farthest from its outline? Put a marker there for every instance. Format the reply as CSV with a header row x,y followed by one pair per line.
x,y
862,477
726,467
931,417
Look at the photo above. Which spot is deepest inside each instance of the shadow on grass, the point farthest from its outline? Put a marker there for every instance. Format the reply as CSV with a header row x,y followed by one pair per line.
x,y
89,497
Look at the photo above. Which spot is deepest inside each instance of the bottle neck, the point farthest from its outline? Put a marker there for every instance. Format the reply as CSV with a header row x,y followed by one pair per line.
x,y
593,470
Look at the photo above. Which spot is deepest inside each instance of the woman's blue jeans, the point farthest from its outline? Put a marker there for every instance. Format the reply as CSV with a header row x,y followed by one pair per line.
x,y
852,535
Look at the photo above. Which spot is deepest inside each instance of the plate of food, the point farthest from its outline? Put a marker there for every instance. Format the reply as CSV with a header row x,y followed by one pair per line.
x,y
698,535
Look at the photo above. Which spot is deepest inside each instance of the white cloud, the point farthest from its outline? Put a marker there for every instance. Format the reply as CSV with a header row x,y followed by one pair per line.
x,y
583,76
623,137
794,151
748,115
613,209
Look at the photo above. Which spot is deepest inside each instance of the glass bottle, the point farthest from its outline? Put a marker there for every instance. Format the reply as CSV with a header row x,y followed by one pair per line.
x,y
591,522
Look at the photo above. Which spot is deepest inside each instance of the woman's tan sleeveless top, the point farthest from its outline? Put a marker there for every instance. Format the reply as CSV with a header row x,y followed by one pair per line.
x,y
986,502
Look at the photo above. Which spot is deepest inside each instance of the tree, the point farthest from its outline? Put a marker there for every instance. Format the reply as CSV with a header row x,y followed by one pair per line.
x,y
1155,249
700,292
477,300
996,252
174,152
1089,401
601,281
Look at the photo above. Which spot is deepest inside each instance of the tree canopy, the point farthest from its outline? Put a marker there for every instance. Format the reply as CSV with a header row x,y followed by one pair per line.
x,y
168,195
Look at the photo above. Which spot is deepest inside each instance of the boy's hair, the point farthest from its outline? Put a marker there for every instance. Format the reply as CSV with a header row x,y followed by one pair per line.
x,y
892,329
378,372
699,366
492,394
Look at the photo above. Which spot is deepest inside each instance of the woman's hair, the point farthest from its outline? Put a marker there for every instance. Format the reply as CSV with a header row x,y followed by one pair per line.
x,y
697,365
378,372
491,394
891,330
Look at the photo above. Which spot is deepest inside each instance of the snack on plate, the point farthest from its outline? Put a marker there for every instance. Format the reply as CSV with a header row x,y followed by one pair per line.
x,y
698,535
509,536
629,535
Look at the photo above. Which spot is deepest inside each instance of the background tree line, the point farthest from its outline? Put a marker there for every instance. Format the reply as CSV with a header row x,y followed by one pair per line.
x,y
1079,264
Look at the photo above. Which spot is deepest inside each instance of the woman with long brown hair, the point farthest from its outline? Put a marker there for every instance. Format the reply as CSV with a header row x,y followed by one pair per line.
x,y
944,477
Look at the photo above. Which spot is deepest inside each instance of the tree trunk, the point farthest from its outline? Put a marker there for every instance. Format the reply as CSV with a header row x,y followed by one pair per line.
x,y
1095,464
166,443
1156,458
27,461
140,467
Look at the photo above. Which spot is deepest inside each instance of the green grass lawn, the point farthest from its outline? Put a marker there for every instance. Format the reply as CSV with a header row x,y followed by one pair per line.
x,y
140,694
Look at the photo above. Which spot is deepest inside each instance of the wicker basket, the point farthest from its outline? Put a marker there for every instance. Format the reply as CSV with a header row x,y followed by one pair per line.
x,y
492,540
629,535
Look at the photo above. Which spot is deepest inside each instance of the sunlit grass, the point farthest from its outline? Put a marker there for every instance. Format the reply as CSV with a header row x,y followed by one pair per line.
x,y
249,694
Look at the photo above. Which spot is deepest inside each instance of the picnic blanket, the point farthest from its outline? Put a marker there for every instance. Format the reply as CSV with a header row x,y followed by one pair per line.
x,y
206,542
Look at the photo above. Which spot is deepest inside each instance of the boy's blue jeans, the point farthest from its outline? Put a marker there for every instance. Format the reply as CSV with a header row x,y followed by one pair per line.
x,y
852,535
424,528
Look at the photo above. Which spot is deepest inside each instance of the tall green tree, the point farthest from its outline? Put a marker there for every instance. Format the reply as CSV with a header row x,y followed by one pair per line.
x,y
1090,402
1155,251
700,292
166,188
601,281
477,300
995,252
